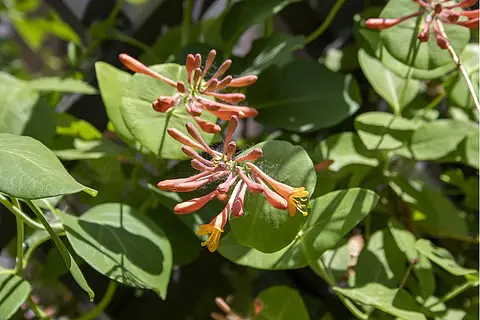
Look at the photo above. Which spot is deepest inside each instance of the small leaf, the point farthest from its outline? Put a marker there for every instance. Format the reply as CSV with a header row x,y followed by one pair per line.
x,y
17,102
332,216
458,92
246,13
68,125
383,131
112,83
404,239
90,150
396,302
304,96
433,212
57,84
13,293
437,139
150,127
275,50
123,245
29,170
397,91
282,303
442,257
262,226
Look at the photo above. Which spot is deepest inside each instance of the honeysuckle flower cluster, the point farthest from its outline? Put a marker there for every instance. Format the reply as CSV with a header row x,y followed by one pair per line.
x,y
436,13
230,172
196,95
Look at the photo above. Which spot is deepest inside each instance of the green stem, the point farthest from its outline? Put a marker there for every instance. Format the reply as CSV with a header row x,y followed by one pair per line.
x,y
348,304
103,304
20,237
186,22
453,293
26,219
36,309
116,35
405,277
328,20
268,27
368,227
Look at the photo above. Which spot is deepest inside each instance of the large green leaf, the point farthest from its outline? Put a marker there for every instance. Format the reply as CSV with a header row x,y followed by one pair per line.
x,y
29,170
57,84
396,302
262,226
275,50
442,257
122,244
13,293
282,303
303,96
380,261
17,102
397,91
332,216
246,13
383,131
405,239
112,83
150,127
433,212
402,43
437,139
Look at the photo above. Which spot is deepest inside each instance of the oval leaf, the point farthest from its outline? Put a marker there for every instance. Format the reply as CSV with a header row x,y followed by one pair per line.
x,y
304,96
262,226
29,170
13,293
150,127
332,216
123,245
282,303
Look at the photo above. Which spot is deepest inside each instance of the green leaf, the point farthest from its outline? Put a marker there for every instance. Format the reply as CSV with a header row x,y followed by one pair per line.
x,y
262,226
341,59
41,125
332,216
122,244
432,211
29,170
67,257
346,150
282,303
402,43
13,293
57,84
434,140
397,91
442,257
17,102
458,92
426,283
396,302
405,239
112,83
275,50
150,127
336,261
68,125
246,13
381,261
95,149
304,96
383,131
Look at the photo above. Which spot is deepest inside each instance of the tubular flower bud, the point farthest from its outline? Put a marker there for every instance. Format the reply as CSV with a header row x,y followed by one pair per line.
x,y
198,93
227,172
436,13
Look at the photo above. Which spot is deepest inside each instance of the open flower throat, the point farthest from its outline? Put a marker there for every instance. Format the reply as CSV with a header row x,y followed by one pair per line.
x,y
198,94
436,13
237,173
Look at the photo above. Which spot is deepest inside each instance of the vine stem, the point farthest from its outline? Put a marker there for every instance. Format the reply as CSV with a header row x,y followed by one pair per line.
x,y
453,293
328,20
464,73
25,218
187,21
405,277
20,237
36,309
103,304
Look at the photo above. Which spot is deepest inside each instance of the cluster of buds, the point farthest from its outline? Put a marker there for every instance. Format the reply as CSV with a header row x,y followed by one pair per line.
x,y
230,172
436,14
199,93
